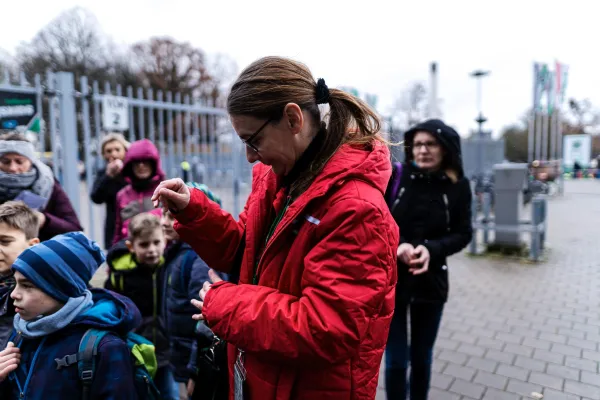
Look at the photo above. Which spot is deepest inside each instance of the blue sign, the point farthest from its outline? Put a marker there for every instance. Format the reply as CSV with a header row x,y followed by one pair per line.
x,y
16,109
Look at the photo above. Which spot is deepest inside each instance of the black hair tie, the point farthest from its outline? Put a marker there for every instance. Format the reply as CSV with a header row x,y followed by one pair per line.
x,y
322,92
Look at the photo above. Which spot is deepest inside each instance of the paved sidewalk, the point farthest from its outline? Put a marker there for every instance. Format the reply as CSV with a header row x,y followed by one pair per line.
x,y
513,329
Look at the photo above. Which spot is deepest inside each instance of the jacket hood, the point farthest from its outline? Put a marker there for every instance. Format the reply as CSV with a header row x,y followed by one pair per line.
x,y
110,311
446,135
117,251
142,150
370,164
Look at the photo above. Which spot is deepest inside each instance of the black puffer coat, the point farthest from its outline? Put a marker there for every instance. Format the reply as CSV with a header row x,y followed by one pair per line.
x,y
434,210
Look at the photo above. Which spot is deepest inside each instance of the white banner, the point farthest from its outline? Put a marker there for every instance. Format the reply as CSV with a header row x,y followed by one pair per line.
x,y
577,148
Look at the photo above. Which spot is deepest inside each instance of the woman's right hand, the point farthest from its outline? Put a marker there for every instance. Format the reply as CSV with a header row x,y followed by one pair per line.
x,y
404,253
173,194
10,358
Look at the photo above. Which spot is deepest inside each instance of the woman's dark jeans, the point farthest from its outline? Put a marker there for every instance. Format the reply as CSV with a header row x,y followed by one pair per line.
x,y
424,324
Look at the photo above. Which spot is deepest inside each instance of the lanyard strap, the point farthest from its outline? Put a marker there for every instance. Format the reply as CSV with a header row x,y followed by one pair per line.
x,y
23,390
269,235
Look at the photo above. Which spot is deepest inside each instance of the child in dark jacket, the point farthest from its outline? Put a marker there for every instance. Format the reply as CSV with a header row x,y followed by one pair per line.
x,y
186,273
143,172
54,310
19,229
109,181
137,270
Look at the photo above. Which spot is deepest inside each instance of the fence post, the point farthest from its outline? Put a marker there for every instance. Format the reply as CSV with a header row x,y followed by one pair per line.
x,y
68,137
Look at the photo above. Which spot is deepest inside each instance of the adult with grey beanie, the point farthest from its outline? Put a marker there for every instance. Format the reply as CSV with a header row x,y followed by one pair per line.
x,y
109,180
24,177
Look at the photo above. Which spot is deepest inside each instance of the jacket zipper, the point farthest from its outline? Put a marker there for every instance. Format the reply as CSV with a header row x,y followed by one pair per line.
x,y
447,209
397,201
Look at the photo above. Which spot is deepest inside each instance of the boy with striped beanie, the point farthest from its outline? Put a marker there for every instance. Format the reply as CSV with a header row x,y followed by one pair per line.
x,y
55,307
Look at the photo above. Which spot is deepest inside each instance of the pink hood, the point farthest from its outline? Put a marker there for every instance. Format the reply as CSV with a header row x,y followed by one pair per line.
x,y
142,150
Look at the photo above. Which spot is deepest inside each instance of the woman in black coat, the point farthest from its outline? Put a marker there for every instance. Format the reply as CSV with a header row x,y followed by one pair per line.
x,y
109,180
432,205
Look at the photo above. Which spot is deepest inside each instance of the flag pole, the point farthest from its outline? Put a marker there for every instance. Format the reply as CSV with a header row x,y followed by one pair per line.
x,y
531,132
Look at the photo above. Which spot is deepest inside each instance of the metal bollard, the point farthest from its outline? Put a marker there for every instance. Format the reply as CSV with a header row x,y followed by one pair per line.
x,y
473,244
537,205
543,220
487,208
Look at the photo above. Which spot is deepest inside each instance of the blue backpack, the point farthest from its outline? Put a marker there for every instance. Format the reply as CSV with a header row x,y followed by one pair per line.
x,y
142,358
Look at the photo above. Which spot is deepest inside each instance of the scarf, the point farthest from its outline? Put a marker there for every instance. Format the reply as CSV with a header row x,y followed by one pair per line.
x,y
46,325
39,180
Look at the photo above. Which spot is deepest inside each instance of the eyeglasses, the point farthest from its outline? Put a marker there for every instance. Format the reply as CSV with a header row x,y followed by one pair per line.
x,y
428,145
248,142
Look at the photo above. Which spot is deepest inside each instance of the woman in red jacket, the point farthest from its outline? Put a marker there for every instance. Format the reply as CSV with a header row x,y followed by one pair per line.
x,y
310,316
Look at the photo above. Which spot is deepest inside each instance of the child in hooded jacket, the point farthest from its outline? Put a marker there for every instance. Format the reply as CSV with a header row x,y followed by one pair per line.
x,y
143,172
137,269
186,273
19,229
54,310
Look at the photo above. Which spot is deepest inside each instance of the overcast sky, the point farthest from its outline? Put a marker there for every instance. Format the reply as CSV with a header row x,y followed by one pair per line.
x,y
376,46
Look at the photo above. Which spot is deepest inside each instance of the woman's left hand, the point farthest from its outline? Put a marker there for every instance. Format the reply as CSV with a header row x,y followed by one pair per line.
x,y
422,259
199,304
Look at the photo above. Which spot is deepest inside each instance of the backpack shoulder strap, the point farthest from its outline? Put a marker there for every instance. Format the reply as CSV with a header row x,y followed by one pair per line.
x,y
88,349
394,184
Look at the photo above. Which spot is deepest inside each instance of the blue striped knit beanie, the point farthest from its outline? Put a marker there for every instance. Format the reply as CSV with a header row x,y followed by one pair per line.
x,y
62,266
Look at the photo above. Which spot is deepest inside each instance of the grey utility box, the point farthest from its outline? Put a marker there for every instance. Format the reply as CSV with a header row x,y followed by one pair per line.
x,y
509,181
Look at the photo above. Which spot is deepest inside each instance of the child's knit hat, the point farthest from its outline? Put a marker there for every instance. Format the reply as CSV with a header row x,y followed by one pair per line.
x,y
61,266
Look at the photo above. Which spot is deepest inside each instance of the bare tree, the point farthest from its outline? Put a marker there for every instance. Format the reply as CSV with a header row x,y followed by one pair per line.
x,y
168,65
6,63
583,116
411,105
580,117
222,70
71,42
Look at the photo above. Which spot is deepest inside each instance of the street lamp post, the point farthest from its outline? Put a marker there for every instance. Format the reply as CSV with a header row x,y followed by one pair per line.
x,y
478,74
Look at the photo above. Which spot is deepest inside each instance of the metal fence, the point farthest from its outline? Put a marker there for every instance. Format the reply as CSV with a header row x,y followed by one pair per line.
x,y
181,129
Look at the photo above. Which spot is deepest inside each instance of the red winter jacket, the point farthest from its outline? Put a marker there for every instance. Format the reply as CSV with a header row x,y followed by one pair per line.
x,y
316,325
